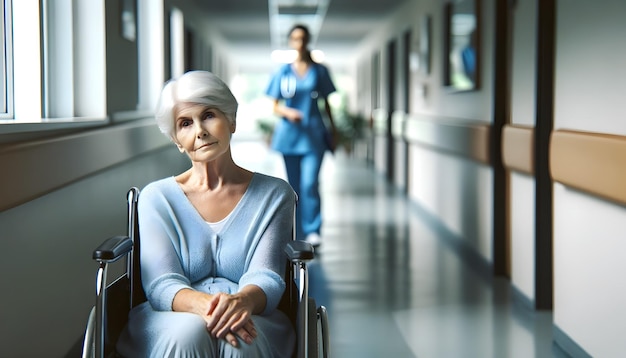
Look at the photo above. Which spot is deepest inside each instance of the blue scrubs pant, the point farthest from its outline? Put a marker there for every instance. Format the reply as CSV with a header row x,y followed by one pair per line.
x,y
303,175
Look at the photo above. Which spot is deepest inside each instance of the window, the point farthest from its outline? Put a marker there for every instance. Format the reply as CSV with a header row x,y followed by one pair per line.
x,y
59,64
75,60
52,65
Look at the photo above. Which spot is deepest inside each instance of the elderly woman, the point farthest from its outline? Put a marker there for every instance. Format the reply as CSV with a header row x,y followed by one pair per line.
x,y
212,240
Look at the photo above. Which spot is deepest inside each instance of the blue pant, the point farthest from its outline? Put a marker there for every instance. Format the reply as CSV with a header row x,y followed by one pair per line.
x,y
303,175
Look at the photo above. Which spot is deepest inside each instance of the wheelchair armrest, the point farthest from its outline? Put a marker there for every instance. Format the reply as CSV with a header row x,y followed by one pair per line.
x,y
298,250
113,248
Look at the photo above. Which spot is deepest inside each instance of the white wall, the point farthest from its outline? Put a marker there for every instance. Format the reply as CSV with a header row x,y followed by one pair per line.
x,y
458,192
522,204
589,239
523,63
522,186
589,265
590,73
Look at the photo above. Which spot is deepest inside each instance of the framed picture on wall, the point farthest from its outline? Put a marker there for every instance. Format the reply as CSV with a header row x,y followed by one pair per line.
x,y
424,43
461,45
128,20
420,53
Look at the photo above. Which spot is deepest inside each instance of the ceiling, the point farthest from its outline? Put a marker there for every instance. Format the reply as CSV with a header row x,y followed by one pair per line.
x,y
253,28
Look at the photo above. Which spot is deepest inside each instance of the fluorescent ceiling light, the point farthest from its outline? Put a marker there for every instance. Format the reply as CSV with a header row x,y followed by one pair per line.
x,y
284,14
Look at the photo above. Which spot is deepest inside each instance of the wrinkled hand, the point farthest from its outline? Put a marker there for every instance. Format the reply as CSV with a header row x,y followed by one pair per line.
x,y
247,333
229,317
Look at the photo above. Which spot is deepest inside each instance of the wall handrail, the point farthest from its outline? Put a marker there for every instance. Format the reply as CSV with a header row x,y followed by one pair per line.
x,y
466,138
590,162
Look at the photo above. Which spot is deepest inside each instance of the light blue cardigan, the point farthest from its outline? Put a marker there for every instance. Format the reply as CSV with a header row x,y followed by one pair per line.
x,y
180,250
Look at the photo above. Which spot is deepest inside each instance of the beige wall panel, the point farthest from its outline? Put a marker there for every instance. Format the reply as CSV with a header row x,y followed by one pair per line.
x,y
590,162
518,148
66,159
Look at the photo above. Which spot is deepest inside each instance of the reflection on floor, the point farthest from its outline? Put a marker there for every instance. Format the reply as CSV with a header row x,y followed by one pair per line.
x,y
393,286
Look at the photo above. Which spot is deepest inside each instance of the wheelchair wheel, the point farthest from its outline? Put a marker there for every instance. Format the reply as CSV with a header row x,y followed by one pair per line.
x,y
313,341
89,343
323,336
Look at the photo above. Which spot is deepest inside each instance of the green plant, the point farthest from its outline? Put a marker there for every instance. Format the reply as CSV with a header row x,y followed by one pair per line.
x,y
266,127
349,127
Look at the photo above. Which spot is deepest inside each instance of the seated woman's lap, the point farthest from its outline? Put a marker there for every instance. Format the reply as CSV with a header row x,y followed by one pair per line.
x,y
152,333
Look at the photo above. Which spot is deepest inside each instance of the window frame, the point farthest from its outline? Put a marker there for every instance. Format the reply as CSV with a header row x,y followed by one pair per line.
x,y
6,61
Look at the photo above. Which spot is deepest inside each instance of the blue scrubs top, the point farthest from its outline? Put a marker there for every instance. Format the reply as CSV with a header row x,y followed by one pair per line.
x,y
301,93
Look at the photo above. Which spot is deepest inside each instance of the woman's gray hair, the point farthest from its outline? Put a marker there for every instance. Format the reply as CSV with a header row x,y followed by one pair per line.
x,y
200,87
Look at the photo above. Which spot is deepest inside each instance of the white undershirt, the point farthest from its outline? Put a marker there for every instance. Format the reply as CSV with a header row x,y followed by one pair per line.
x,y
219,225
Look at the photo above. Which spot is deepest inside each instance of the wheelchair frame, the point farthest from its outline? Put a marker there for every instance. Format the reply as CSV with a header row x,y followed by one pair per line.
x,y
310,322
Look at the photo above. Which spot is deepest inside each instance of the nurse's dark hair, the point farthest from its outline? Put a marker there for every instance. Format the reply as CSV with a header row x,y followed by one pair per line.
x,y
305,29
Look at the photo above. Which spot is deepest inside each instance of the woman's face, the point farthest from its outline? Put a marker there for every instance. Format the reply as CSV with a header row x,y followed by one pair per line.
x,y
202,132
298,40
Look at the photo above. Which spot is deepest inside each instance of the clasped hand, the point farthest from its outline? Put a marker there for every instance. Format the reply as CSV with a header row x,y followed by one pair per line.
x,y
229,317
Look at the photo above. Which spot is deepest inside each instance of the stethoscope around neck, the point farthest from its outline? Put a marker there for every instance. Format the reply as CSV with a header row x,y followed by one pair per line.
x,y
288,86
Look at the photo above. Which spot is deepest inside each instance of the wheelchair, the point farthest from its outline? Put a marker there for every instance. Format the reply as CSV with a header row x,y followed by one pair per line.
x,y
115,299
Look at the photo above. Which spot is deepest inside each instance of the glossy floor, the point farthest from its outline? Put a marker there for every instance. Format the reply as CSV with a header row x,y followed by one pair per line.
x,y
394,285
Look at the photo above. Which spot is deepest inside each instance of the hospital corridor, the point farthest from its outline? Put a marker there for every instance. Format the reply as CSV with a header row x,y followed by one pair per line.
x,y
394,281
473,207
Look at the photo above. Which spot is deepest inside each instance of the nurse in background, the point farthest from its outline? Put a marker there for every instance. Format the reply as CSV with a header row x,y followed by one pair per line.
x,y
302,135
